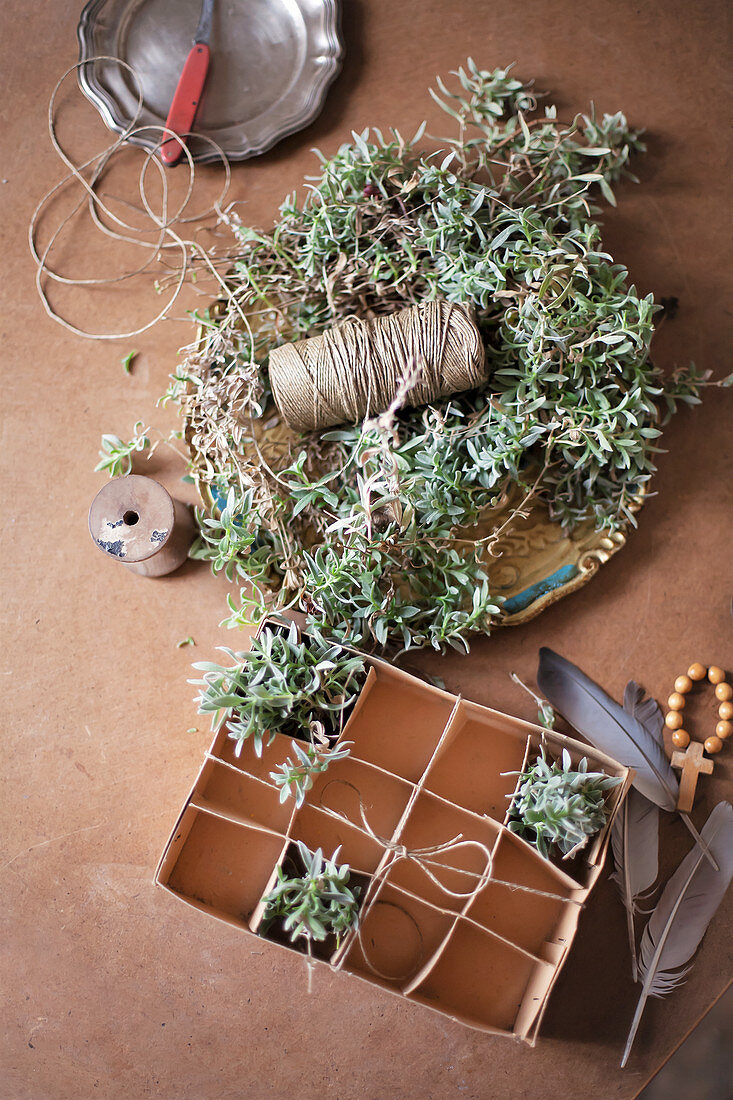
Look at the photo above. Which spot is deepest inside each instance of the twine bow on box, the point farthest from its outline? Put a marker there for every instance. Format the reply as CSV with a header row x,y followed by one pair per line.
x,y
424,859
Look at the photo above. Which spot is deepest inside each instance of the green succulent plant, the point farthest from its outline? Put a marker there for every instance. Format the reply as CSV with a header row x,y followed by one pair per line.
x,y
284,684
116,454
557,806
317,903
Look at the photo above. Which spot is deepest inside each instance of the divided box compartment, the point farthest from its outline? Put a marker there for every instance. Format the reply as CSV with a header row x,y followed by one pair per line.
x,y
483,944
291,860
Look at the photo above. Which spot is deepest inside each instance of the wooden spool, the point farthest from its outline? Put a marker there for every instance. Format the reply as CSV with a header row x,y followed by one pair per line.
x,y
356,368
135,520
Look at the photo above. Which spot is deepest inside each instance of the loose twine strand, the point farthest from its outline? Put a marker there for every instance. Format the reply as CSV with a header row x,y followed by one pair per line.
x,y
165,222
355,369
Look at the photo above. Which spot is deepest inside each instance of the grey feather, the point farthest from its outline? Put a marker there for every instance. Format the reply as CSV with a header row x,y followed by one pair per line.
x,y
646,709
635,833
683,913
608,726
635,845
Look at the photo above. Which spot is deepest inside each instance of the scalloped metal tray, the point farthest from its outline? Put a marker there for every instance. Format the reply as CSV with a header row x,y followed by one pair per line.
x,y
271,64
534,564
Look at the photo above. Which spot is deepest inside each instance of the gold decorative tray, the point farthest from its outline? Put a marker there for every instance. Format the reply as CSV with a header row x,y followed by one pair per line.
x,y
533,564
538,563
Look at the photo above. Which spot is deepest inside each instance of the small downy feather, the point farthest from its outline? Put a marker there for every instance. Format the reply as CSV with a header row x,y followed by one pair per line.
x,y
635,833
621,735
683,913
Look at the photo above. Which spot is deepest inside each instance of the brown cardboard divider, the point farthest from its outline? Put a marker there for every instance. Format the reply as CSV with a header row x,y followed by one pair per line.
x,y
400,934
480,745
176,841
537,994
248,761
481,980
398,721
231,793
223,865
525,919
351,784
318,830
433,821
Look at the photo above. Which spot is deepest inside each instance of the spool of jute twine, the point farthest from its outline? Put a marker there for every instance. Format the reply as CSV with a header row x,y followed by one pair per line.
x,y
356,368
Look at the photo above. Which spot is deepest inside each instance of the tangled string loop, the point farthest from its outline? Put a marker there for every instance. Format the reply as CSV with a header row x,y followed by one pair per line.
x,y
168,222
425,859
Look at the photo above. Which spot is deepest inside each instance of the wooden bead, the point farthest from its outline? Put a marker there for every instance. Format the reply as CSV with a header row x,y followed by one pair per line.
x,y
725,710
715,675
683,684
673,721
723,691
676,701
696,671
723,730
680,739
713,745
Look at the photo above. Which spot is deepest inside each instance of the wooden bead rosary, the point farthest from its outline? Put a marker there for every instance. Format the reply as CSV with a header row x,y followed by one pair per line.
x,y
692,761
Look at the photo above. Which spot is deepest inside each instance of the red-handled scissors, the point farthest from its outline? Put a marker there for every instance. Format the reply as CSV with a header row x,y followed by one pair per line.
x,y
189,88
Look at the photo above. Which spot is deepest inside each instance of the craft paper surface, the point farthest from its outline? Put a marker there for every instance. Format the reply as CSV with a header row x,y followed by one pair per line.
x,y
97,706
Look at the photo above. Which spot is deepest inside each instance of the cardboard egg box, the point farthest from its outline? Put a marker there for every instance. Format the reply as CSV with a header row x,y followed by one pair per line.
x,y
483,944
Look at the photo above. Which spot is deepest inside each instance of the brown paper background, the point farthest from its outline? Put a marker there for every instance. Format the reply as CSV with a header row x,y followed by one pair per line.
x,y
112,988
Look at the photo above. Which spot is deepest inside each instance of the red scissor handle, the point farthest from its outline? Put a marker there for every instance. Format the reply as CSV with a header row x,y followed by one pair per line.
x,y
185,101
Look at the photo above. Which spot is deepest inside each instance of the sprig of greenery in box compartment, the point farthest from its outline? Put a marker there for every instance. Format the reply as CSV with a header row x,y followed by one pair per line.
x,y
286,684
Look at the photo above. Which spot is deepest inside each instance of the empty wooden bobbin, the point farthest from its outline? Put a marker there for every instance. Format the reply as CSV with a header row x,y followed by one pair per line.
x,y
137,522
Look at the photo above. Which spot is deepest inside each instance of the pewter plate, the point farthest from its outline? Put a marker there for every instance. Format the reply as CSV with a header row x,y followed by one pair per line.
x,y
271,63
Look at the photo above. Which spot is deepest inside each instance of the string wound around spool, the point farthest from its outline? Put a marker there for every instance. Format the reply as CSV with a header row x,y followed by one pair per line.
x,y
355,369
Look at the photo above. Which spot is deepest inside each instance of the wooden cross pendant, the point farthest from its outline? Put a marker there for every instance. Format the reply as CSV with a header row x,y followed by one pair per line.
x,y
692,763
